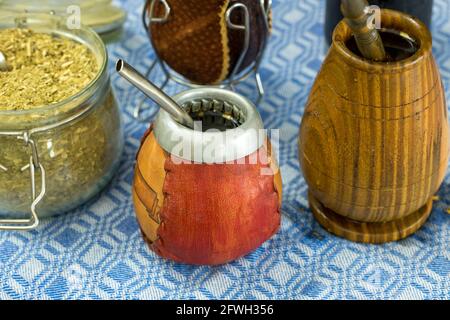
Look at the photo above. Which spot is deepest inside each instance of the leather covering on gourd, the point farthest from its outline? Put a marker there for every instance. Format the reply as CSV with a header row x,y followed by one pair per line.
x,y
205,214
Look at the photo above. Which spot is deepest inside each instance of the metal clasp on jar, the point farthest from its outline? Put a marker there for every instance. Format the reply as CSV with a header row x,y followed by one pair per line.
x,y
33,165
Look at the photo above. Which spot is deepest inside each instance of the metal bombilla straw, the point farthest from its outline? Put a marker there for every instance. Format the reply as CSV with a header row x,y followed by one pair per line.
x,y
367,37
154,93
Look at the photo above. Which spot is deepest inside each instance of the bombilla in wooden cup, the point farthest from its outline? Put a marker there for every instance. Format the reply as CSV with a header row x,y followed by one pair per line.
x,y
154,93
367,36
374,137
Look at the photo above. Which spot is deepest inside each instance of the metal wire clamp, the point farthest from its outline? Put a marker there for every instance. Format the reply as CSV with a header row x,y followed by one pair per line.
x,y
33,165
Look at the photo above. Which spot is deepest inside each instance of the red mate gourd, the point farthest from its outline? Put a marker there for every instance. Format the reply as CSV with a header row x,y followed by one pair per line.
x,y
200,209
195,39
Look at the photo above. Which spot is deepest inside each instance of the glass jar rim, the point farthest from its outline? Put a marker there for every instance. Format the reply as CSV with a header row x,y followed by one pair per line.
x,y
40,19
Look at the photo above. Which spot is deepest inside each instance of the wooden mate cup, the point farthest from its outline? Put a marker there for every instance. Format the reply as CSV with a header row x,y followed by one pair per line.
x,y
373,142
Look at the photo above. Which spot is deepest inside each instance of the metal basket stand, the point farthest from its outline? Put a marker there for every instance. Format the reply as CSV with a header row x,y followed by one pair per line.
x,y
235,77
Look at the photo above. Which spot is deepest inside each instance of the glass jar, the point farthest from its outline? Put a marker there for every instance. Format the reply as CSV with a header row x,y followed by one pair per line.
x,y
100,15
55,157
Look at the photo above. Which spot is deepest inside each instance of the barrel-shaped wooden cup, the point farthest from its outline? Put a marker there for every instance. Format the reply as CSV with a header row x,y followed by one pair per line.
x,y
373,142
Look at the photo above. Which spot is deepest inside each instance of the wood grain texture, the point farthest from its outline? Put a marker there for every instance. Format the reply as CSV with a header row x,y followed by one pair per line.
x,y
373,142
197,43
211,214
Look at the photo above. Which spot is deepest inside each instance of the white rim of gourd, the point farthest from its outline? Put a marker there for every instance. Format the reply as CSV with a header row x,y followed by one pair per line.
x,y
211,147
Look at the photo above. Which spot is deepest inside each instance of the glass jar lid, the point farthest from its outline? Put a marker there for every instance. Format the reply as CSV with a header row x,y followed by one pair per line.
x,y
100,15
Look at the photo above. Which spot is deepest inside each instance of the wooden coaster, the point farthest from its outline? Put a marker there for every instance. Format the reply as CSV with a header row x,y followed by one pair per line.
x,y
369,232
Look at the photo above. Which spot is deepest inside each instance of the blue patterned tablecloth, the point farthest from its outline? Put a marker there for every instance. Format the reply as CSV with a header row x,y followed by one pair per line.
x,y
97,251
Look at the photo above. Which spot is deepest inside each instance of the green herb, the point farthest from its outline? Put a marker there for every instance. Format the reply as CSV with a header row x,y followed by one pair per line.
x,y
44,69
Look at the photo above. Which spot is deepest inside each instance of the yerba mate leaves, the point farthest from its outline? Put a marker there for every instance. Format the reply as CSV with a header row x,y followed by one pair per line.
x,y
45,69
